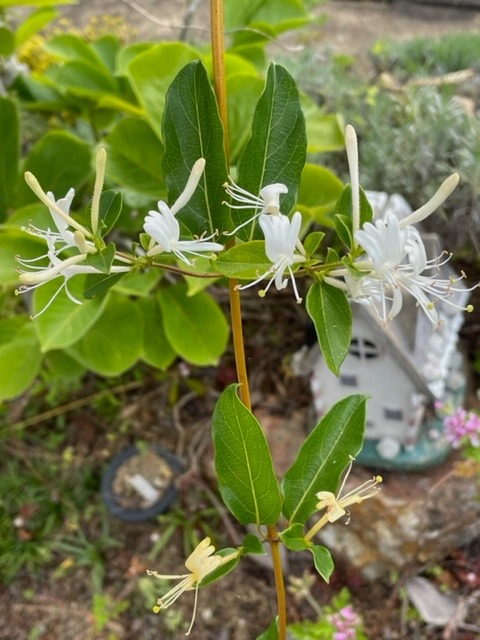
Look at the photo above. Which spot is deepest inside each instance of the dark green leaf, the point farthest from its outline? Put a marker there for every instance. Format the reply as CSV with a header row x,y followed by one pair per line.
x,y
330,311
343,226
243,462
251,544
7,41
344,205
102,260
323,456
192,129
98,285
151,73
110,208
9,135
276,150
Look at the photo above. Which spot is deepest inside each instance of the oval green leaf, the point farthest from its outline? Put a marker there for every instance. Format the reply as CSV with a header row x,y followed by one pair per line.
x,y
243,462
20,356
323,456
192,129
114,343
330,311
195,326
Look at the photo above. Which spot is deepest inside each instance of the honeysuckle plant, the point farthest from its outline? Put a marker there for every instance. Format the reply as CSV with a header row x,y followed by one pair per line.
x,y
239,226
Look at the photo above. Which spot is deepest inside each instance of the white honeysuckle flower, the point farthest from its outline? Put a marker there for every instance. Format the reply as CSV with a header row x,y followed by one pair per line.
x,y
281,240
442,193
192,183
183,199
267,202
164,229
336,505
62,236
200,563
66,269
398,262
351,145
61,211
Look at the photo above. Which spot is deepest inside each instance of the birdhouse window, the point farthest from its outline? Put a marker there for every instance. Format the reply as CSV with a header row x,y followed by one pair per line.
x,y
363,349
393,414
348,380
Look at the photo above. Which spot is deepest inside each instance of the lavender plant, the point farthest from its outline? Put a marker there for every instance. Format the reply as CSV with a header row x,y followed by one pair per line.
x,y
248,229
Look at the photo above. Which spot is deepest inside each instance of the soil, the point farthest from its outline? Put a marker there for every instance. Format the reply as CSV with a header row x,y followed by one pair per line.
x,y
239,606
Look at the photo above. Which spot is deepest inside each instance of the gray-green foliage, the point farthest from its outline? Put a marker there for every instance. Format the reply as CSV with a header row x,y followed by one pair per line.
x,y
428,56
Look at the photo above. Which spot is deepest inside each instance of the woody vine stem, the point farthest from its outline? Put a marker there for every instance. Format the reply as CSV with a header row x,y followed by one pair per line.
x,y
218,55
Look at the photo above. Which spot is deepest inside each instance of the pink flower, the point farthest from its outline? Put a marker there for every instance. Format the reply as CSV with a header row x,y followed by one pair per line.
x,y
461,426
345,623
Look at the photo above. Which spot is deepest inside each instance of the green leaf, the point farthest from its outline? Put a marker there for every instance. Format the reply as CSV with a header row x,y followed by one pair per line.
x,y
114,343
13,243
271,633
65,322
60,365
325,131
96,285
243,92
319,192
70,47
107,48
134,157
138,283
20,356
9,135
157,350
243,462
7,41
322,559
34,23
82,79
244,261
110,208
192,129
343,227
293,538
151,73
330,311
344,205
32,3
251,544
312,242
102,260
195,326
276,150
323,456
59,160
223,569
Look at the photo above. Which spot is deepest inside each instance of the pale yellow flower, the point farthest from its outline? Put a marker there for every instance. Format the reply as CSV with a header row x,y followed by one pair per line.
x,y
201,562
336,505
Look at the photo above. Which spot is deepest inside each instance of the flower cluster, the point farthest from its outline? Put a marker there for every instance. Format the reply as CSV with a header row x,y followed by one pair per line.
x,y
461,427
345,622
67,235
395,261
280,233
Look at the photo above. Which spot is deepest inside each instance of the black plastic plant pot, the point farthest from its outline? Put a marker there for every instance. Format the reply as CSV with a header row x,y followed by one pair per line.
x,y
139,483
